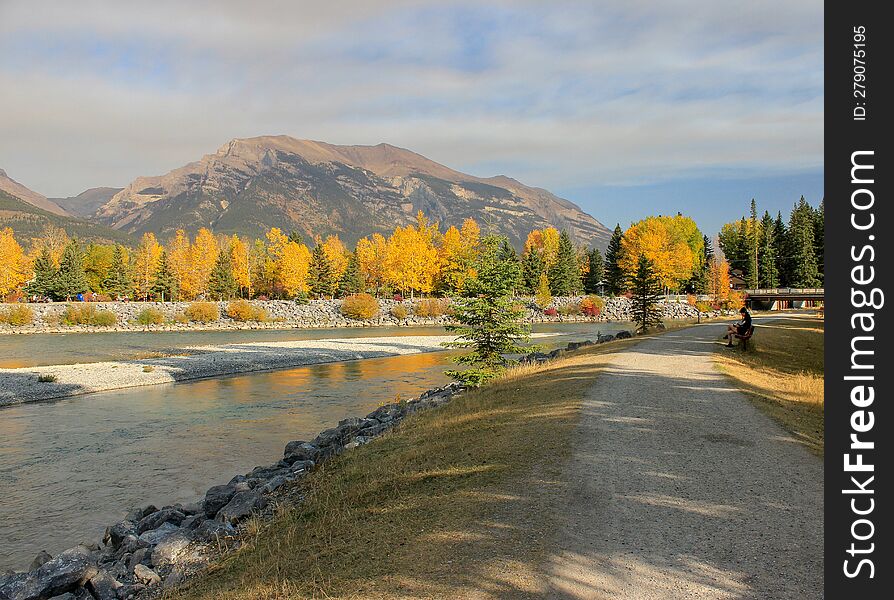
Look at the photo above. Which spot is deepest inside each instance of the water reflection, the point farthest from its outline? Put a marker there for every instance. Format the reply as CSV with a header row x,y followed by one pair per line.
x,y
70,467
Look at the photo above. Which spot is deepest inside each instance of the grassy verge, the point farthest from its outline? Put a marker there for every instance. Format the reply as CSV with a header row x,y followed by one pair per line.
x,y
456,503
783,372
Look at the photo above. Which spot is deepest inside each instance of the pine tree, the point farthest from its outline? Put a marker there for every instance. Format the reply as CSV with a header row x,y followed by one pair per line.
x,y
70,280
802,250
221,283
532,268
320,276
542,295
646,289
753,246
594,271
780,249
117,282
769,272
564,274
488,321
294,236
164,285
351,282
819,237
508,263
614,274
700,282
44,273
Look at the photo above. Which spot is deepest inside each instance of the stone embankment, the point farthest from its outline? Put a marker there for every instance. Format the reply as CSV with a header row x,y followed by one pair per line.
x,y
153,549
287,314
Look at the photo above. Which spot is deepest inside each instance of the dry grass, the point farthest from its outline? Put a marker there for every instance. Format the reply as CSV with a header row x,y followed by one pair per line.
x,y
456,503
783,372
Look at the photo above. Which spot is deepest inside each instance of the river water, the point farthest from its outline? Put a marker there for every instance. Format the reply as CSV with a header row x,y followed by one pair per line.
x,y
69,468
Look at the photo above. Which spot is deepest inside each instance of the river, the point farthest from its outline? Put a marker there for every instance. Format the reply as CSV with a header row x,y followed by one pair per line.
x,y
69,468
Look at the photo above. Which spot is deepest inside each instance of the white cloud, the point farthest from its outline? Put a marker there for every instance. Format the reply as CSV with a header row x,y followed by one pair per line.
x,y
566,94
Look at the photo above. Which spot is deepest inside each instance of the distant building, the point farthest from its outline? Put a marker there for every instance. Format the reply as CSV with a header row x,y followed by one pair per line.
x,y
737,279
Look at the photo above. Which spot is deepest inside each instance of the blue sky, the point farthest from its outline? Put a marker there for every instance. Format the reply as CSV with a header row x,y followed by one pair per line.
x,y
627,108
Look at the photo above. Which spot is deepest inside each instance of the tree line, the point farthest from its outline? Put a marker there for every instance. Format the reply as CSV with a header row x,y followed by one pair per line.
x,y
771,252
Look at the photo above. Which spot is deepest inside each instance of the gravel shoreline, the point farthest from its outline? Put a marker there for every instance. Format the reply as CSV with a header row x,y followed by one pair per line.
x,y
24,384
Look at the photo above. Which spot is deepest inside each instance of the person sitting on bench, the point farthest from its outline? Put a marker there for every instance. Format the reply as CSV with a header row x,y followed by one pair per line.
x,y
740,328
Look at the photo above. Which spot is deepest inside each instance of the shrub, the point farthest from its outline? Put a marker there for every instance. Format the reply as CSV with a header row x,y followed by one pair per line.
x,y
14,296
150,316
301,298
703,307
87,314
399,311
735,301
431,307
592,305
241,310
550,312
46,378
397,298
691,299
181,318
572,308
360,306
17,316
148,368
202,312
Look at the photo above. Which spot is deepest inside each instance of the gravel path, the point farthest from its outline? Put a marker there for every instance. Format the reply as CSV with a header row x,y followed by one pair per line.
x,y
23,385
680,488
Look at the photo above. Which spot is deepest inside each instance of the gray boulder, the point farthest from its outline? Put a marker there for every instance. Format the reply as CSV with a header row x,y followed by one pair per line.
x,y
217,497
623,335
154,536
64,573
146,575
242,505
103,586
299,450
171,550
41,559
118,532
159,518
212,530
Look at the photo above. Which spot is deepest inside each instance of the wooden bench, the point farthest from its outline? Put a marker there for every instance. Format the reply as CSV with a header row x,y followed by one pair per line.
x,y
745,337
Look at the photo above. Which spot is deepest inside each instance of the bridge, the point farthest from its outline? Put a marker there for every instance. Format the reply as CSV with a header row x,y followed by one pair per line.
x,y
769,298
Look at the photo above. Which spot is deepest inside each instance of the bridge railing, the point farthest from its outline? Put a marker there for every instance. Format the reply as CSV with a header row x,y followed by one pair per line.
x,y
786,292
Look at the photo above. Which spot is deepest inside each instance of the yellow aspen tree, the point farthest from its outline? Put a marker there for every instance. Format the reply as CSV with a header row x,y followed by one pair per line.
x,y
54,240
179,251
14,265
290,261
337,255
241,264
146,264
204,254
371,257
411,257
673,259
550,246
718,281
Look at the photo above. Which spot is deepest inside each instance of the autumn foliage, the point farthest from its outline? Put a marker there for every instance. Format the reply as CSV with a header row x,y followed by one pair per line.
x,y
360,307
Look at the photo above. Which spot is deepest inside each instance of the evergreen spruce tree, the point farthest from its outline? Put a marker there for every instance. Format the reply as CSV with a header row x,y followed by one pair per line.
x,y
753,247
700,282
117,281
646,288
221,283
781,249
510,265
614,274
164,285
802,250
564,276
488,320
70,280
320,276
44,273
769,272
532,268
351,282
819,237
594,271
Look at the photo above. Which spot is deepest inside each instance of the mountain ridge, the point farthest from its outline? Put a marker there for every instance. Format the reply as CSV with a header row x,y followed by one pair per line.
x,y
251,184
16,189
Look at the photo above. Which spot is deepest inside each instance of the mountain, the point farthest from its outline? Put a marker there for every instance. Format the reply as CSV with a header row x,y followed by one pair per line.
x,y
250,185
14,188
28,221
87,202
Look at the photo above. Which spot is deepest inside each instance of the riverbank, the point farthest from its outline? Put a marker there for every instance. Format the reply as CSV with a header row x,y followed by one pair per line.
x,y
314,314
58,381
156,548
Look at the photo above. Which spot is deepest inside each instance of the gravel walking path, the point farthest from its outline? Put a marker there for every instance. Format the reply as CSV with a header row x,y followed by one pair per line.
x,y
681,488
